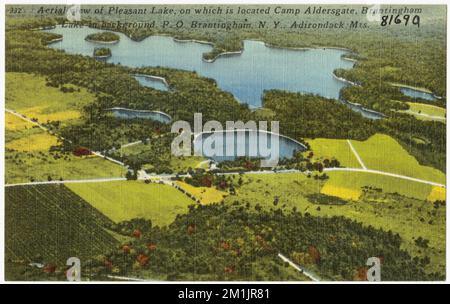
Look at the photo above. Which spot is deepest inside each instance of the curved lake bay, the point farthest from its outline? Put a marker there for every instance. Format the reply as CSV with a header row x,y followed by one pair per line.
x,y
245,75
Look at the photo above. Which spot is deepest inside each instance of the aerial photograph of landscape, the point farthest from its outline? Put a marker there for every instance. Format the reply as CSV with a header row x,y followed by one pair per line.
x,y
225,142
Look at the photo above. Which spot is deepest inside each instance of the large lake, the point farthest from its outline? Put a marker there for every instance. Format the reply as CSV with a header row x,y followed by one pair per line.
x,y
245,75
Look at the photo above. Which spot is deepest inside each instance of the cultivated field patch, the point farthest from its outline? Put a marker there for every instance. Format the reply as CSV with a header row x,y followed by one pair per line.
x,y
67,225
30,95
206,195
422,108
382,152
437,194
34,166
36,142
14,123
341,192
125,200
338,148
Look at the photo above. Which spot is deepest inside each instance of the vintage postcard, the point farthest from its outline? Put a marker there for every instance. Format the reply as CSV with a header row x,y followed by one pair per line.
x,y
225,142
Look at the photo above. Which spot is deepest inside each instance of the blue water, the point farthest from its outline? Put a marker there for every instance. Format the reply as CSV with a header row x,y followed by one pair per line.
x,y
244,143
133,114
417,94
246,75
150,82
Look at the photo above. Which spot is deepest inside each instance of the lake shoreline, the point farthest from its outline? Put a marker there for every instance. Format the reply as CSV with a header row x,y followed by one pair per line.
x,y
224,54
179,40
418,89
271,46
345,80
54,40
399,85
102,57
362,109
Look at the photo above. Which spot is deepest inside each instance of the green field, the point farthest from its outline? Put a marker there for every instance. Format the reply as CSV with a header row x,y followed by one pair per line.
x,y
125,200
337,148
27,158
28,94
30,139
382,152
206,195
426,112
380,209
21,167
49,224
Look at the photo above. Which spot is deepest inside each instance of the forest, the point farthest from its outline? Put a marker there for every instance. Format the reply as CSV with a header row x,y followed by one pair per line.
x,y
238,242
220,242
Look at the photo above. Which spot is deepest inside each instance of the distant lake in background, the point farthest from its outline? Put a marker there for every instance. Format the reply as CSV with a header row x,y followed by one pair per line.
x,y
244,75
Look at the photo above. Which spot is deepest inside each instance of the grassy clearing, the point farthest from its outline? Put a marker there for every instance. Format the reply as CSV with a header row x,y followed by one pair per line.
x,y
341,192
409,217
28,94
14,123
206,195
18,134
41,116
427,109
22,167
426,112
27,158
36,142
337,148
382,152
125,200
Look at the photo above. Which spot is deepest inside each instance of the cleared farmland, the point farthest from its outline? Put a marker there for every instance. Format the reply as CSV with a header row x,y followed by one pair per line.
x,y
50,223
206,195
40,166
337,148
426,112
14,123
125,200
382,152
30,95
